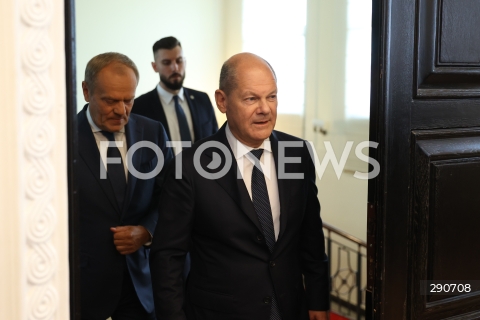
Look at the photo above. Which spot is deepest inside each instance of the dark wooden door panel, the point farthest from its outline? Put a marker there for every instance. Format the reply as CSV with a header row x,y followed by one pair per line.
x,y
445,219
455,220
445,113
459,37
448,49
425,114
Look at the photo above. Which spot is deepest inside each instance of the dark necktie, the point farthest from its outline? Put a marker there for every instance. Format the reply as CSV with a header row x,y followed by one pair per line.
x,y
261,203
116,171
182,121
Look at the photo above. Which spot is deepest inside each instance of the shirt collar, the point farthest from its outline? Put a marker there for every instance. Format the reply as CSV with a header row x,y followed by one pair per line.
x,y
239,149
94,127
168,96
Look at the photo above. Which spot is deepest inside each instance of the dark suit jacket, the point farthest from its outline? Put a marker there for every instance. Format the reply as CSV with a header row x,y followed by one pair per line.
x,y
233,273
203,116
102,266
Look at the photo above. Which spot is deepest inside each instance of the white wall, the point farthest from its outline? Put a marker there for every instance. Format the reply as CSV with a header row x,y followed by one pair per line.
x,y
132,27
344,200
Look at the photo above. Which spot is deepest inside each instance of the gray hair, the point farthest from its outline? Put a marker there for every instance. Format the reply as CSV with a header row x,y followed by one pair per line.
x,y
228,77
97,63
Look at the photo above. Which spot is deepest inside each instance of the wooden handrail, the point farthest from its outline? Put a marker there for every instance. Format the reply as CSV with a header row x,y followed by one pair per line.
x,y
342,233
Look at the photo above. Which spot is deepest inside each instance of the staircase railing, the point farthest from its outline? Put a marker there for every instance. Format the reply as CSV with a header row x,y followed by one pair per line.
x,y
347,264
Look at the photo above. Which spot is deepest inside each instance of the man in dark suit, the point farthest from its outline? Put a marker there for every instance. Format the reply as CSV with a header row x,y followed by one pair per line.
x,y
253,230
118,200
186,114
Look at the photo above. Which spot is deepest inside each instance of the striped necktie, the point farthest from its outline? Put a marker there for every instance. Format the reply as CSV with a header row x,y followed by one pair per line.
x,y
261,203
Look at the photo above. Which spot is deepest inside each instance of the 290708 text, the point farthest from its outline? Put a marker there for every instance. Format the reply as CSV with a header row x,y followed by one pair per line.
x,y
449,287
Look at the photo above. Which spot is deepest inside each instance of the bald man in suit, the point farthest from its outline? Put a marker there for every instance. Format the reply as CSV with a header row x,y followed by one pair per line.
x,y
254,235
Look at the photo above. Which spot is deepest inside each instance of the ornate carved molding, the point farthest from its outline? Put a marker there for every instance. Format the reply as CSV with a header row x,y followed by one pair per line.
x,y
38,101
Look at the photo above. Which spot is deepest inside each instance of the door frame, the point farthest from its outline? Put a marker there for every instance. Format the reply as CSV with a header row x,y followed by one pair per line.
x,y
375,224
375,218
72,156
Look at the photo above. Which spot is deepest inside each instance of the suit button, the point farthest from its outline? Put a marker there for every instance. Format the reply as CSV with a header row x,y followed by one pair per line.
x,y
259,237
272,264
267,300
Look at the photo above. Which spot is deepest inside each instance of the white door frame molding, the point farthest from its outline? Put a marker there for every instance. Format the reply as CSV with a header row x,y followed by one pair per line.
x,y
33,163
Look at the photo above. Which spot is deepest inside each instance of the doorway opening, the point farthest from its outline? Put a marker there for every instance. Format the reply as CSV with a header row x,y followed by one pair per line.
x,y
321,47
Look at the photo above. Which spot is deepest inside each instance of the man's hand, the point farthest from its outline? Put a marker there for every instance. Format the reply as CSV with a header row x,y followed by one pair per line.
x,y
128,239
318,315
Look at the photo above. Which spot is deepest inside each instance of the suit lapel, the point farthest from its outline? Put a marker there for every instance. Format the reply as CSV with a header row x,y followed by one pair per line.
x,y
89,152
159,113
133,134
282,188
192,105
233,186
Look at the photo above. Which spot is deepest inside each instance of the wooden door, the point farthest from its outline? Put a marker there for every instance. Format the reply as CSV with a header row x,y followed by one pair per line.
x,y
424,207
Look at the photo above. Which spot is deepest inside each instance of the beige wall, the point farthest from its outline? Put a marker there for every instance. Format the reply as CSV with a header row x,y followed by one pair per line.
x,y
209,30
133,27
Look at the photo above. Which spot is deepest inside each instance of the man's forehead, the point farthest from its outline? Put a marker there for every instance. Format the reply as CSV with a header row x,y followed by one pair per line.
x,y
259,88
120,79
122,95
251,75
167,54
114,70
116,93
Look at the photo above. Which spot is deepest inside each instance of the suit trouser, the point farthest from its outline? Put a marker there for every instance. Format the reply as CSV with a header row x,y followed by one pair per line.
x,y
129,306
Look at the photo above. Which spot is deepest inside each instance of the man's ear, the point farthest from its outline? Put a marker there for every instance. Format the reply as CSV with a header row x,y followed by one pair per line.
x,y
86,93
221,100
154,66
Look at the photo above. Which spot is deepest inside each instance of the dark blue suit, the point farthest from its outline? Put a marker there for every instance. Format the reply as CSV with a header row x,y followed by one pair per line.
x,y
102,266
203,116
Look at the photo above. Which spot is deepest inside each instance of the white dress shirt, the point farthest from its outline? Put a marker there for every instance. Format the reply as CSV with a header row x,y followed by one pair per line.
x,y
120,141
169,108
245,162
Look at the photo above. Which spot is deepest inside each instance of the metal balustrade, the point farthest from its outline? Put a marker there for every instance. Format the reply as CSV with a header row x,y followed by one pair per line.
x,y
347,263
